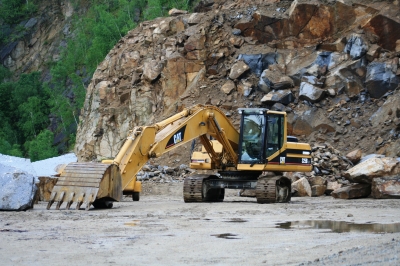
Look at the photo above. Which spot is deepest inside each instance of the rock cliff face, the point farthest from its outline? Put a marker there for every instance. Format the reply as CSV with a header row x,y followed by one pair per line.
x,y
332,65
42,41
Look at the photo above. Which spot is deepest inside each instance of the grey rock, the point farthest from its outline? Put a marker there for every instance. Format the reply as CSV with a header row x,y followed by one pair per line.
x,y
236,32
17,191
31,22
310,92
281,96
275,80
380,79
356,47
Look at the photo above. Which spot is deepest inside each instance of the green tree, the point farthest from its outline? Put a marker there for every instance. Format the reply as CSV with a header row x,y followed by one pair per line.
x,y
14,11
41,147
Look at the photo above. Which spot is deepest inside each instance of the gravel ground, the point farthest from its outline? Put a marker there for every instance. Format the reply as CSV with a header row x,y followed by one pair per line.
x,y
161,229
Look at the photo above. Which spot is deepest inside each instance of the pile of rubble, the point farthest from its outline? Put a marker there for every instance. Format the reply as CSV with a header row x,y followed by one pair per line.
x,y
163,174
348,177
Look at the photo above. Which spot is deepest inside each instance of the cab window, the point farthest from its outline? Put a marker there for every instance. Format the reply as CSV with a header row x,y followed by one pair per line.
x,y
275,134
253,131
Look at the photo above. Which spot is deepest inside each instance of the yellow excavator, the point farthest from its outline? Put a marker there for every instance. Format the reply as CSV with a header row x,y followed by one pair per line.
x,y
237,158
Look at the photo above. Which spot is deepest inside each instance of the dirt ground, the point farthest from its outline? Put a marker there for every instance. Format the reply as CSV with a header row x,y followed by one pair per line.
x,y
161,229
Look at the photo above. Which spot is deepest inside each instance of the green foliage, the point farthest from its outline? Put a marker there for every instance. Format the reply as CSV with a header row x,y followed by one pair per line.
x,y
41,147
27,103
14,11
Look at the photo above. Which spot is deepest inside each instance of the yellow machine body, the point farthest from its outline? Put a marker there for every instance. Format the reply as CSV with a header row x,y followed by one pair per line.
x,y
261,145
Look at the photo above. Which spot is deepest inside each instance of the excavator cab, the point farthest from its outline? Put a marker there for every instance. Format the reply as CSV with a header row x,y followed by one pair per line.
x,y
262,134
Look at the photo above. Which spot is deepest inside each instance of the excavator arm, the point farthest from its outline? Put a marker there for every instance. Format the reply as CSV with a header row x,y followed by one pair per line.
x,y
100,183
153,141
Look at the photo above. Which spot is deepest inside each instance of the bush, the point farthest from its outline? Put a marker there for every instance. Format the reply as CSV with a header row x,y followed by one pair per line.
x,y
41,148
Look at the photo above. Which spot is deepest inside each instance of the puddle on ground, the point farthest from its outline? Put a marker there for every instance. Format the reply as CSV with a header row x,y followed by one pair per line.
x,y
341,226
236,220
226,236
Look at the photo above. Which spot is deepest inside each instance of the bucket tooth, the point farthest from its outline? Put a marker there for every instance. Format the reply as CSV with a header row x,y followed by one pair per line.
x,y
51,201
49,204
89,201
60,200
78,205
70,200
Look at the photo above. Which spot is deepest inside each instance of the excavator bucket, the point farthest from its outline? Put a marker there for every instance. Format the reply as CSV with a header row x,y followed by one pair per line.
x,y
87,183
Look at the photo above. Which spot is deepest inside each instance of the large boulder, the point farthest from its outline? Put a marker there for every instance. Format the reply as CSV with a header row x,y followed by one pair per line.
x,y
259,62
386,187
275,80
301,188
381,78
238,69
310,92
366,171
352,191
17,189
390,110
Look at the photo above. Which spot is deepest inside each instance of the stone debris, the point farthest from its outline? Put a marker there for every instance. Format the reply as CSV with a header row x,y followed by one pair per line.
x,y
163,174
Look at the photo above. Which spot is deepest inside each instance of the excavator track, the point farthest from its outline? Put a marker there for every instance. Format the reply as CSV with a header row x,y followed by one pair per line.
x,y
273,189
192,188
196,190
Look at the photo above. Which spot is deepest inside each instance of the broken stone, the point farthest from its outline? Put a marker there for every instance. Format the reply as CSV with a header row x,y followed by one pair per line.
x,y
317,181
356,47
152,69
228,87
380,79
17,190
373,52
354,156
238,69
176,12
259,62
301,188
313,80
366,171
195,18
331,186
386,188
310,93
281,96
318,190
245,88
352,191
275,80
384,112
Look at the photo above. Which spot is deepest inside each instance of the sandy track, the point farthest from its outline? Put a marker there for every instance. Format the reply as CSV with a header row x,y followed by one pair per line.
x,y
161,229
